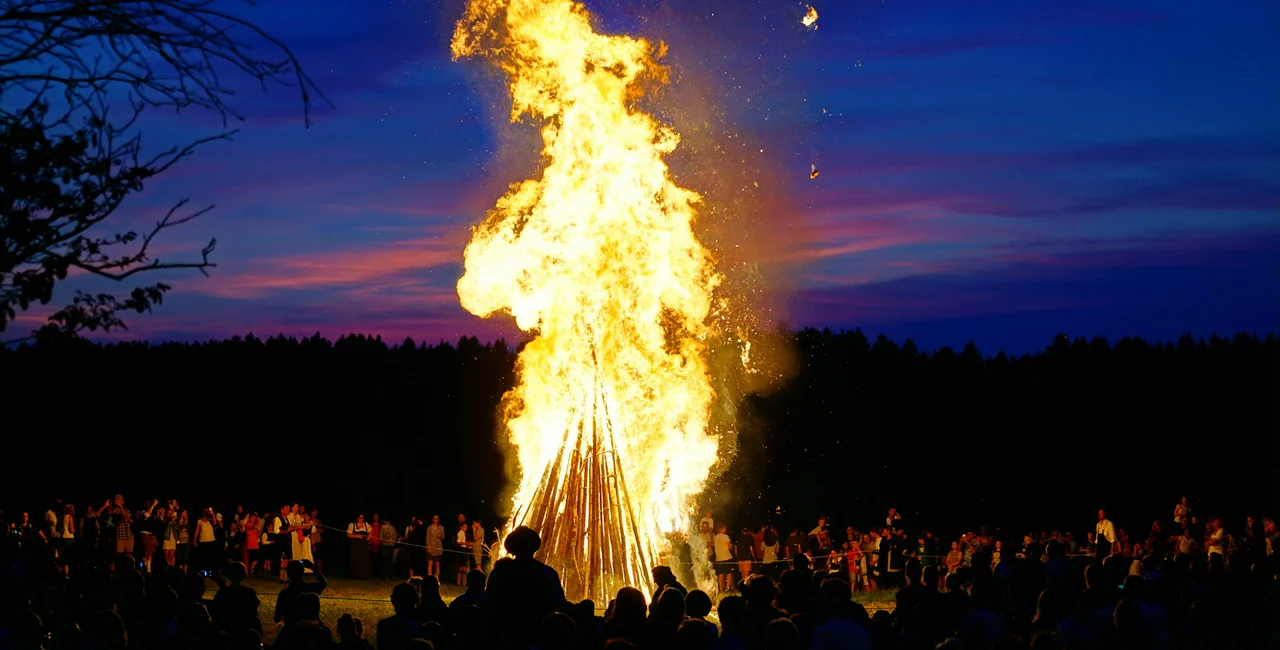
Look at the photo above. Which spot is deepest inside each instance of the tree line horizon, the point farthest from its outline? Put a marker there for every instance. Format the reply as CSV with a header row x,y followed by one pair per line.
x,y
49,335
951,438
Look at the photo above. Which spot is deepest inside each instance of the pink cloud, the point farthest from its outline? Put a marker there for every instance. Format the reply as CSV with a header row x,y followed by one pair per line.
x,y
364,269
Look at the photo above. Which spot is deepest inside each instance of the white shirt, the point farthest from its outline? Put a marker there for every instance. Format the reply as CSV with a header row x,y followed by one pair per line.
x,y
1106,530
722,548
1214,543
1185,544
274,527
771,553
204,531
357,528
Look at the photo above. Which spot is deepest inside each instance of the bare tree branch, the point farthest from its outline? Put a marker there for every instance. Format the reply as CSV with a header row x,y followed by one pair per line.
x,y
70,153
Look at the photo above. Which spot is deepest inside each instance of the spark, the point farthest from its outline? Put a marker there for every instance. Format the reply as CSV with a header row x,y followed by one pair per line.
x,y
811,18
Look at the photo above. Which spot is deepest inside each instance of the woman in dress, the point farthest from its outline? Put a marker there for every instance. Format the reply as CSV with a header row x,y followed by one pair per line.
x,y
183,554
358,541
249,557
169,542
301,535
955,558
1181,510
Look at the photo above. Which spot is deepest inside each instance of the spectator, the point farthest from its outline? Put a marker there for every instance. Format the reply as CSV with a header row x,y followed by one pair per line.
x,y
375,546
1104,536
235,606
358,533
745,552
838,630
387,549
435,546
723,559
473,596
307,632
462,550
351,634
316,537
477,543
206,553
1181,510
523,590
395,632
287,610
432,608
955,558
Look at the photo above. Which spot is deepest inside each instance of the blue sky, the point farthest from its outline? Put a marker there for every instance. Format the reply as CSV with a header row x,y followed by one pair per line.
x,y
990,171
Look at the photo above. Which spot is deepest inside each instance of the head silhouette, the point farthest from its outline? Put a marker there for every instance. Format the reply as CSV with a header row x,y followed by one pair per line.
x,y
522,542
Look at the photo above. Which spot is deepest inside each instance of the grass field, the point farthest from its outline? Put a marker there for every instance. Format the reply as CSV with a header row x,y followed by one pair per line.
x,y
370,601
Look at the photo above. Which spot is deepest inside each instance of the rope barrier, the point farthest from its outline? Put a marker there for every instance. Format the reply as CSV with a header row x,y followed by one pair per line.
x,y
486,549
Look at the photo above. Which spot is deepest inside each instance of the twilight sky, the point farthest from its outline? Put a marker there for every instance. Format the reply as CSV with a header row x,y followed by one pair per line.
x,y
995,171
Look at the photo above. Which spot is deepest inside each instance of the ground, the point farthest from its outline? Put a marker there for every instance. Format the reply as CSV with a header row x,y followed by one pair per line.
x,y
370,601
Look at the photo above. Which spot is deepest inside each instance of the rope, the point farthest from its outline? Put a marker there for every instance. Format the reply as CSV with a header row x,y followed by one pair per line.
x,y
486,549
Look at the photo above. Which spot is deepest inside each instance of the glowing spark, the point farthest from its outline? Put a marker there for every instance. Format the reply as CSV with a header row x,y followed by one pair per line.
x,y
598,257
810,18
813,172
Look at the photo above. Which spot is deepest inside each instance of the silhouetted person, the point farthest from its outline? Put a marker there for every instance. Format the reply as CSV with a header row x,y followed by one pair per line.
x,y
396,631
307,632
696,634
665,618
627,621
557,632
432,607
782,634
235,606
522,590
698,605
839,630
663,577
351,634
735,625
286,601
474,595
759,593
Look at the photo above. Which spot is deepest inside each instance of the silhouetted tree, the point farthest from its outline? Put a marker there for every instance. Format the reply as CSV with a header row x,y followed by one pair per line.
x,y
945,437
75,76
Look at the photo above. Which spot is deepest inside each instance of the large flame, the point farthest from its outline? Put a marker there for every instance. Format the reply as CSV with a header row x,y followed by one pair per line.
x,y
599,258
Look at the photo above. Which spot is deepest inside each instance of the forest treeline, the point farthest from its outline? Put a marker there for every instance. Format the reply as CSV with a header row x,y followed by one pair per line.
x,y
359,423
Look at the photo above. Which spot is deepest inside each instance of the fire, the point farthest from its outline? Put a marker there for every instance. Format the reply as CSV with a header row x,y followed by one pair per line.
x,y
810,18
610,419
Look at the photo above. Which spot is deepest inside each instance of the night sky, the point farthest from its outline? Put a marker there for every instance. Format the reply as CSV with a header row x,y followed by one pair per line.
x,y
995,171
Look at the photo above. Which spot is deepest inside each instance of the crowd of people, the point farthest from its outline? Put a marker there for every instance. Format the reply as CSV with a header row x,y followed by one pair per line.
x,y
263,541
116,578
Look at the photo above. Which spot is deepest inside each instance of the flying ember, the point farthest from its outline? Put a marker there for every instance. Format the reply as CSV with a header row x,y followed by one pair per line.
x,y
598,258
810,18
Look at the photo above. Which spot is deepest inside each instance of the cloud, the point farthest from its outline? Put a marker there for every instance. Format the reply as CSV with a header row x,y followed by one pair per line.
x,y
402,265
